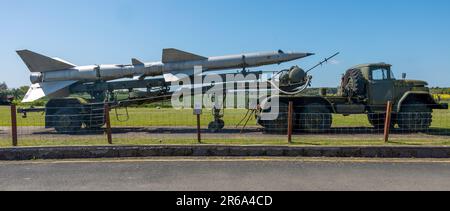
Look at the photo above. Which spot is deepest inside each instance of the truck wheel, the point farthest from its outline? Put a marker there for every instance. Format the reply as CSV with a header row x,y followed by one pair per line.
x,y
95,120
315,118
377,120
279,125
93,128
354,83
68,121
415,117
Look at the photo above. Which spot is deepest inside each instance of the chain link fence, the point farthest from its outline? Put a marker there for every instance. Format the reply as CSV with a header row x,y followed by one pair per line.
x,y
312,124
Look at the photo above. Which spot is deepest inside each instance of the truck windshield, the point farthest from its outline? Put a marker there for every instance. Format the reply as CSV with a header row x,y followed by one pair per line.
x,y
382,74
392,75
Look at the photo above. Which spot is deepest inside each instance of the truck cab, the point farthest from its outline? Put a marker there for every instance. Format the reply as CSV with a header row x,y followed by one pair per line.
x,y
381,83
375,84
378,84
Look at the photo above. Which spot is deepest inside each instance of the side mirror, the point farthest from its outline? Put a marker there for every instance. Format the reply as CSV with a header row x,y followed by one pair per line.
x,y
403,76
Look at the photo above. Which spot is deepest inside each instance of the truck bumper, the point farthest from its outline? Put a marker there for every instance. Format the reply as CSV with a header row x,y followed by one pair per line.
x,y
442,106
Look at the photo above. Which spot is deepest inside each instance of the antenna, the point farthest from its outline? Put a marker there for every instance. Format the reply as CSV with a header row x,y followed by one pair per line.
x,y
322,62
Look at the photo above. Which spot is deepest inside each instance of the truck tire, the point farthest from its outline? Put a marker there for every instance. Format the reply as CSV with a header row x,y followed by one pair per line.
x,y
68,121
377,120
415,116
95,119
354,83
279,125
315,117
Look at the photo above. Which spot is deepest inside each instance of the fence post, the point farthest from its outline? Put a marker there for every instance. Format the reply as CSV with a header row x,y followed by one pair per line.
x,y
387,124
198,112
290,121
108,124
14,125
199,135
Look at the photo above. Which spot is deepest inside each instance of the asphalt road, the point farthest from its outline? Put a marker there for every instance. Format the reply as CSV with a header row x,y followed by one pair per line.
x,y
258,174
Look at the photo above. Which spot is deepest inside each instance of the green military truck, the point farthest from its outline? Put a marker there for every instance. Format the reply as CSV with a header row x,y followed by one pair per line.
x,y
365,89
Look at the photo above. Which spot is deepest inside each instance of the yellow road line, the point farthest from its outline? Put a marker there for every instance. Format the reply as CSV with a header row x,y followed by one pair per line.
x,y
224,159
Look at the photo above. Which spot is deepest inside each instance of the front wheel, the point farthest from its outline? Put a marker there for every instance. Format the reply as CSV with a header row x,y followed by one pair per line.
x,y
415,117
378,120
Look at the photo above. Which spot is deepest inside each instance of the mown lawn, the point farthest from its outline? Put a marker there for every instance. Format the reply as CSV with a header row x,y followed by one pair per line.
x,y
280,140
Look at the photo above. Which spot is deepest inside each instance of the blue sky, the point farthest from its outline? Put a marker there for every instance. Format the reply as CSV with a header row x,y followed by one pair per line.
x,y
412,35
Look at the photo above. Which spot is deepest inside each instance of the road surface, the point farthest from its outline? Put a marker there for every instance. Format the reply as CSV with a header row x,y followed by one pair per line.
x,y
232,174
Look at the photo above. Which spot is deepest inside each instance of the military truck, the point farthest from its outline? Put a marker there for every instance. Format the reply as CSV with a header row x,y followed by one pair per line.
x,y
365,89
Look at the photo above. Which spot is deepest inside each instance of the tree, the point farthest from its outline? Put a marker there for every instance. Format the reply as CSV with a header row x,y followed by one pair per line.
x,y
3,86
20,92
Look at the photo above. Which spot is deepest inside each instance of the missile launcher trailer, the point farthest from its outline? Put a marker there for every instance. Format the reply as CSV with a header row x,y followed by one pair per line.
x,y
365,89
56,79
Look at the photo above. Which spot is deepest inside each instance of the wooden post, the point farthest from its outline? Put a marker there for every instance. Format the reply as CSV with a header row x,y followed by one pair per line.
x,y
198,112
290,121
199,135
14,125
108,124
387,124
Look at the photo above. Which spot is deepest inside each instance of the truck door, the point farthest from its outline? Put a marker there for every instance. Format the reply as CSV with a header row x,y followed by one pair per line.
x,y
381,86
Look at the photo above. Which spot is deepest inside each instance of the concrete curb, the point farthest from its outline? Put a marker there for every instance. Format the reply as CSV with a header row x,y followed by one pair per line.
x,y
30,153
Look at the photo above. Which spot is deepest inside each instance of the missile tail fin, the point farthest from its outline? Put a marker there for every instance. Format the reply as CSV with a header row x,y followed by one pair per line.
x,y
50,89
136,62
174,55
40,63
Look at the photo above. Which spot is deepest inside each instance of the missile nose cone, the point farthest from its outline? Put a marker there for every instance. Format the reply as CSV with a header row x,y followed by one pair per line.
x,y
301,55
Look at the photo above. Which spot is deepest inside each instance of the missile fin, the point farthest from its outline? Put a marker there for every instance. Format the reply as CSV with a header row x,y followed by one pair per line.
x,y
50,89
139,77
136,62
177,76
40,63
174,55
169,77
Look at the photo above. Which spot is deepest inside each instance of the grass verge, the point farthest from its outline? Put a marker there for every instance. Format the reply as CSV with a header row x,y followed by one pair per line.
x,y
278,141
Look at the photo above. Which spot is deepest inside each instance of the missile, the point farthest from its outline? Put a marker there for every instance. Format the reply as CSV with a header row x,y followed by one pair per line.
x,y
52,77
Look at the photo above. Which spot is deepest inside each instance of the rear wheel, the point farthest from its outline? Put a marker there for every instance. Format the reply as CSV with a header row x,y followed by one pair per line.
x,y
415,117
280,124
67,121
377,120
315,118
95,120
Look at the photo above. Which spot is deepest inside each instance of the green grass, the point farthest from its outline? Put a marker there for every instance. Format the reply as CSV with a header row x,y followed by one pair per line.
x,y
277,141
